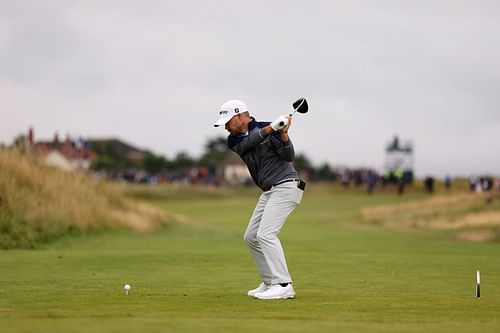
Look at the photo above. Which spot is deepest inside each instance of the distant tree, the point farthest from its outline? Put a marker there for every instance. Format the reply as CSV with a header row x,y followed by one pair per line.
x,y
107,158
325,172
154,164
182,161
105,149
302,163
106,163
19,142
114,153
216,151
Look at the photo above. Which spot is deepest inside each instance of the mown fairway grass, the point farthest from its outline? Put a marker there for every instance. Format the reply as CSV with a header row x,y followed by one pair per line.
x,y
192,277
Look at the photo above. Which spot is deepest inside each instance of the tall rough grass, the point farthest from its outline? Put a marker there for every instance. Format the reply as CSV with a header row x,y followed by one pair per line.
x,y
475,216
39,203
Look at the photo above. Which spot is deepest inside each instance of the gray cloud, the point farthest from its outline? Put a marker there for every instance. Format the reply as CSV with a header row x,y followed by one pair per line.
x,y
156,72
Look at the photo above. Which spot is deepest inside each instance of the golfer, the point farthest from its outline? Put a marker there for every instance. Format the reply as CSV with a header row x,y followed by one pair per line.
x,y
268,153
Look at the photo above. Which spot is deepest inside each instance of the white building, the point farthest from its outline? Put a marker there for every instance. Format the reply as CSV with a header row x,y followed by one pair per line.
x,y
234,170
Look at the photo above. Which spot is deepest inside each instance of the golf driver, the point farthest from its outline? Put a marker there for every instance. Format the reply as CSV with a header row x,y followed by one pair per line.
x,y
299,106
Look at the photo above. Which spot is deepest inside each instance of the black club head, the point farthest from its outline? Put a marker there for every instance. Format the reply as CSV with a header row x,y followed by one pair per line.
x,y
300,105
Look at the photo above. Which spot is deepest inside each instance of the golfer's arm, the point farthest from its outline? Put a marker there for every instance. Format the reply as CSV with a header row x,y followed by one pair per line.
x,y
252,140
284,148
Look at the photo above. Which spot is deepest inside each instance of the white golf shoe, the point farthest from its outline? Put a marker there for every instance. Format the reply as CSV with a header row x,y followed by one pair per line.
x,y
277,292
262,287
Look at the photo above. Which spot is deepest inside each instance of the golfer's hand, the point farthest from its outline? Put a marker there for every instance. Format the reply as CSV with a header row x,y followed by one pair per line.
x,y
279,123
287,126
284,130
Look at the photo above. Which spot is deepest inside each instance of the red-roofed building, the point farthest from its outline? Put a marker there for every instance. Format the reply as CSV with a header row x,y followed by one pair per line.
x,y
72,154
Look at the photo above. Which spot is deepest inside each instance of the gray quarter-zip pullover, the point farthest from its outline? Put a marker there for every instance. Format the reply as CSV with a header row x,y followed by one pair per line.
x,y
268,159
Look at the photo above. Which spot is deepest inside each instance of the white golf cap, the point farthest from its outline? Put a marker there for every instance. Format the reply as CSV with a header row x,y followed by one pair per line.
x,y
230,109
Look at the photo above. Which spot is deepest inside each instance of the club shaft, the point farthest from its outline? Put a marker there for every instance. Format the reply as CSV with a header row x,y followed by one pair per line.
x,y
291,115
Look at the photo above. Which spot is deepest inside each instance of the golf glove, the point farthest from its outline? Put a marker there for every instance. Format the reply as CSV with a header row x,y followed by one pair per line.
x,y
279,123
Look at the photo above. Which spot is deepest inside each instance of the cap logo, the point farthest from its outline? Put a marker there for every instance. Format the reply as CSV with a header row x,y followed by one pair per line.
x,y
223,112
236,110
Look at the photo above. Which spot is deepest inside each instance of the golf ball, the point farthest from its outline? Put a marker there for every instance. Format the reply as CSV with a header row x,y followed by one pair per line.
x,y
126,287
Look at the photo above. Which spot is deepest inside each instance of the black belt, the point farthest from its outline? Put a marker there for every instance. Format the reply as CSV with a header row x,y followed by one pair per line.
x,y
301,184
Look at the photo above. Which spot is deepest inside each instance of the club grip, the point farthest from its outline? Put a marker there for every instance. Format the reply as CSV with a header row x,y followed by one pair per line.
x,y
282,123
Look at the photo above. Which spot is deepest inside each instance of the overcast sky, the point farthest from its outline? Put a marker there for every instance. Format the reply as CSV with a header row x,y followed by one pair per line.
x,y
155,73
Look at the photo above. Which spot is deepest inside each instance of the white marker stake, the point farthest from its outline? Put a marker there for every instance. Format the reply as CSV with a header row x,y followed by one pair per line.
x,y
478,283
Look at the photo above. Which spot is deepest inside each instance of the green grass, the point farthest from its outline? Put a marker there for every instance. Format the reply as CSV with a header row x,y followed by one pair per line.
x,y
193,276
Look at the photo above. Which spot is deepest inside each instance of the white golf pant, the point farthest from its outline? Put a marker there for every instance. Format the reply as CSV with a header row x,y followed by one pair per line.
x,y
261,236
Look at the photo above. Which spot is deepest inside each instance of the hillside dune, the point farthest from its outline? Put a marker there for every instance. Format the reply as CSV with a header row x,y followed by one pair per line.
x,y
40,203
